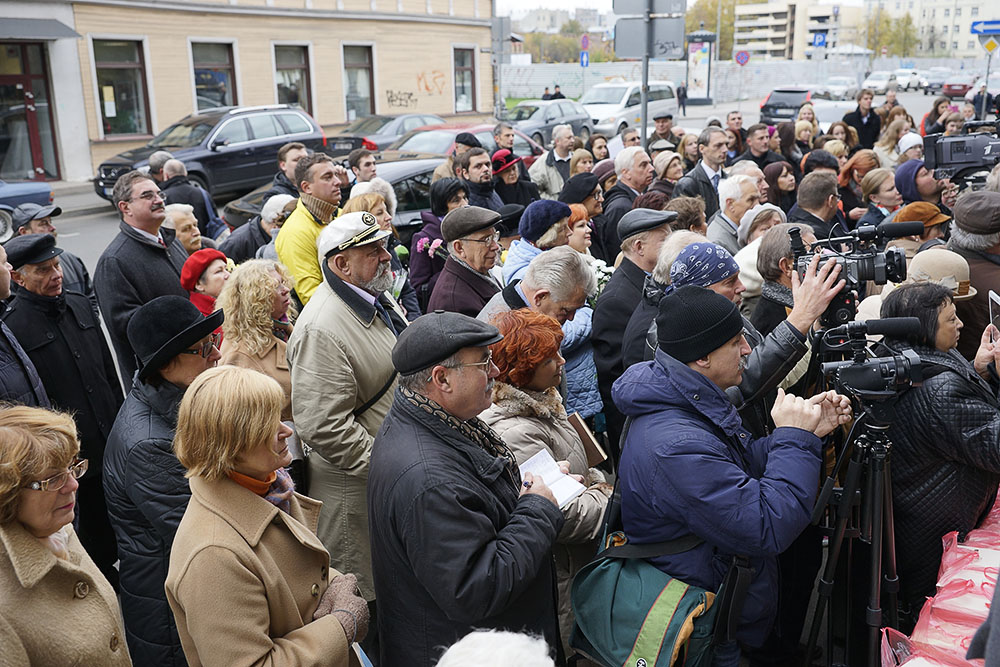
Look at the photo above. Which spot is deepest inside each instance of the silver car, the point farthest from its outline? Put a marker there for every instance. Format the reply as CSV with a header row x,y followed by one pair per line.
x,y
842,87
537,118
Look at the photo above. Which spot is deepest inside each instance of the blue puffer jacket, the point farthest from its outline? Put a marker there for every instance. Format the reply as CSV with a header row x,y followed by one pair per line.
x,y
582,394
518,257
689,466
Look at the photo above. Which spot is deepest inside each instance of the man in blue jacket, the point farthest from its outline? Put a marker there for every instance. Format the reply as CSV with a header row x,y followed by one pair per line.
x,y
710,478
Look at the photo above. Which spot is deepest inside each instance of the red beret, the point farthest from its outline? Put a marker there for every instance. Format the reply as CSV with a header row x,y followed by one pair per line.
x,y
196,265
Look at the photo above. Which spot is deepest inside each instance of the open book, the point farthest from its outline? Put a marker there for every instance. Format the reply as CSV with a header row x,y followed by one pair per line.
x,y
563,487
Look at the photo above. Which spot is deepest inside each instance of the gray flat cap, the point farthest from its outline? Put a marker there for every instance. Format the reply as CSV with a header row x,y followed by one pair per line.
x,y
661,145
641,220
466,220
432,338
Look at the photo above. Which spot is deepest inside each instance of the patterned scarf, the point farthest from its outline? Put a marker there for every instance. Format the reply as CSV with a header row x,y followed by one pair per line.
x,y
280,493
702,264
323,211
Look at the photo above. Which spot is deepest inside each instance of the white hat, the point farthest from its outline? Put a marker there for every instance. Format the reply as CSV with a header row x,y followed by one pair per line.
x,y
908,141
350,230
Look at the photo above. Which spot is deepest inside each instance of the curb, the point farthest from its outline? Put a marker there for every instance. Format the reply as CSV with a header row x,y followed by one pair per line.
x,y
82,211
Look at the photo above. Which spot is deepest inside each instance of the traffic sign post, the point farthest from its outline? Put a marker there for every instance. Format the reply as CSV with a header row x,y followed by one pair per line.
x,y
584,58
985,28
819,39
742,58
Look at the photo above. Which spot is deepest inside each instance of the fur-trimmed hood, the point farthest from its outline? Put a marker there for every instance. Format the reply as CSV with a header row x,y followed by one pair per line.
x,y
509,401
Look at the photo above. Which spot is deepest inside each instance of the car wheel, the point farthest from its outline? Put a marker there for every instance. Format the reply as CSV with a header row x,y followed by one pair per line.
x,y
199,180
538,139
6,226
585,134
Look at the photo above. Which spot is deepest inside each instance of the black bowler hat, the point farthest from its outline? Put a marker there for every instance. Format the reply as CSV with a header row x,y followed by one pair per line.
x,y
165,327
432,338
31,249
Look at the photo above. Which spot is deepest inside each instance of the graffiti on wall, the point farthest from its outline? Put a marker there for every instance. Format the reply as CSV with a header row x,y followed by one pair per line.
x,y
432,82
401,99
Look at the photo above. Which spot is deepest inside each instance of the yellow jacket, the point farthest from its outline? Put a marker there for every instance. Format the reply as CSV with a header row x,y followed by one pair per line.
x,y
296,246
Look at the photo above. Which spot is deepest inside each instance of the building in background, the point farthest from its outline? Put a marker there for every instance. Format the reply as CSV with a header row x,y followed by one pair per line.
x,y
943,26
765,29
789,28
542,20
82,80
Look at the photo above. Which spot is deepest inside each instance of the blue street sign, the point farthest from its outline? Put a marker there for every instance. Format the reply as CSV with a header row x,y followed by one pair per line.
x,y
986,27
584,58
819,39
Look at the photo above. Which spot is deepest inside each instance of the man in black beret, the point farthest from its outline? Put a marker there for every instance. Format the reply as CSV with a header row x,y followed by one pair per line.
x,y
64,340
459,541
463,142
465,284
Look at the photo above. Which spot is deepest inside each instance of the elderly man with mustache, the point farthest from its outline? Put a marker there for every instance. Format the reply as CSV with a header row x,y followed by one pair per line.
x,y
143,262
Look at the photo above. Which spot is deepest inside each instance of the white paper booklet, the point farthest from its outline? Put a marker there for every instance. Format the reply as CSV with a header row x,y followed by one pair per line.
x,y
563,487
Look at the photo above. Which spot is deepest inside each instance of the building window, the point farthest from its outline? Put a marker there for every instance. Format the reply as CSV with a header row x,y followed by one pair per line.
x,y
947,11
214,75
465,80
359,81
958,12
943,45
121,87
975,11
954,45
971,44
291,75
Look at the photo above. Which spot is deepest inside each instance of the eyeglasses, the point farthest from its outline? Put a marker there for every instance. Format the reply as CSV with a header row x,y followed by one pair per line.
x,y
205,349
151,195
58,481
597,194
492,238
485,363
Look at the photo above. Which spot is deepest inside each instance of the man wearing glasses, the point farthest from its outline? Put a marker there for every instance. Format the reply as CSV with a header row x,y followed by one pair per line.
x,y
144,484
465,284
140,264
342,381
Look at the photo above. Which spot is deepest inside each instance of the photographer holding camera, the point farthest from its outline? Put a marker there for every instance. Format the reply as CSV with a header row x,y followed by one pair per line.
x,y
945,435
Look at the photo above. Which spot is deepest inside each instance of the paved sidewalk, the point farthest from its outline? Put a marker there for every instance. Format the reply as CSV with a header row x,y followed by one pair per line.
x,y
77,198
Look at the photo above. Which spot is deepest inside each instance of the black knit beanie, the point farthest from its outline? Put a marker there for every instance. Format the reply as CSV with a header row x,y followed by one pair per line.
x,y
694,321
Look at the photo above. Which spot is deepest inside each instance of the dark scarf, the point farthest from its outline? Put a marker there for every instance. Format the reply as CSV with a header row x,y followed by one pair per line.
x,y
482,189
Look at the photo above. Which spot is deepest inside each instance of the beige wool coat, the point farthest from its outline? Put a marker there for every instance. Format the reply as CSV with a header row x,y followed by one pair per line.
x,y
245,579
340,356
53,611
272,362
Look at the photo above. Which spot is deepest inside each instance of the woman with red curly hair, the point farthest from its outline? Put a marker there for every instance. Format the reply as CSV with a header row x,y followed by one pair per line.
x,y
528,413
851,197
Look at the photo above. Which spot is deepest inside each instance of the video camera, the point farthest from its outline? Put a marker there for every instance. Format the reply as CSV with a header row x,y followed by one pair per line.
x,y
965,158
863,262
872,378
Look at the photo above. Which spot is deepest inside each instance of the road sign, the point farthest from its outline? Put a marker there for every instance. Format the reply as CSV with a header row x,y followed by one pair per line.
x,y
667,42
819,39
985,28
742,58
585,42
990,44
638,7
885,51
584,58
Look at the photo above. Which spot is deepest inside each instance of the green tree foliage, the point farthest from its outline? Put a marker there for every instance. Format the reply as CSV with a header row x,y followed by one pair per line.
x,y
706,11
572,28
898,36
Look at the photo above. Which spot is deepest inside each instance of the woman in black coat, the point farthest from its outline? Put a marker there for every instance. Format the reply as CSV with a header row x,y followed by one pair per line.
x,y
507,182
945,435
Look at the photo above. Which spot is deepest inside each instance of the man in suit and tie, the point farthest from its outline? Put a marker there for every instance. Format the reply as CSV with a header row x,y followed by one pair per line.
x,y
703,180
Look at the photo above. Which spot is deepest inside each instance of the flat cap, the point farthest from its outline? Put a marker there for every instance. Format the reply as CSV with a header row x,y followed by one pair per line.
x,y
921,211
663,114
432,338
661,145
978,212
468,139
641,220
578,188
29,211
466,220
31,249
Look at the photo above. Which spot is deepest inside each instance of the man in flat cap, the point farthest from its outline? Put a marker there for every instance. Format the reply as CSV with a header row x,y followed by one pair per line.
x,y
64,340
642,232
465,284
459,540
19,381
342,381
663,131
975,235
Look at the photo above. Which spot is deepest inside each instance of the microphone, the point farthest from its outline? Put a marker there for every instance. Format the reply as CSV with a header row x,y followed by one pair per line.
x,y
893,327
895,230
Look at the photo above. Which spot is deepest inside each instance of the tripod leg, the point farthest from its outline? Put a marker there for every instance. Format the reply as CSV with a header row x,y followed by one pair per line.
x,y
873,615
891,577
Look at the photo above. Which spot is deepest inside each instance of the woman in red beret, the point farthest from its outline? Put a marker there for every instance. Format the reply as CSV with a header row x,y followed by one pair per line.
x,y
204,275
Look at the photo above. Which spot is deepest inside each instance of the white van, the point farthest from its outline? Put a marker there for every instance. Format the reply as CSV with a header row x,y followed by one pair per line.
x,y
615,106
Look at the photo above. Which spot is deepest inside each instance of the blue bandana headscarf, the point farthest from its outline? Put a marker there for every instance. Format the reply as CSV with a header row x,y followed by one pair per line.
x,y
702,264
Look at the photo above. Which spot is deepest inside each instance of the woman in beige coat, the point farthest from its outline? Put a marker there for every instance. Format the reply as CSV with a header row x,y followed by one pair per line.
x,y
528,413
249,582
56,608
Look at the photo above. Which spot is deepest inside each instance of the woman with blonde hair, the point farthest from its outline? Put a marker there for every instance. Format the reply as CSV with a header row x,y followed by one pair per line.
x,y
581,161
688,148
878,191
804,136
808,113
375,203
246,549
885,147
56,608
837,149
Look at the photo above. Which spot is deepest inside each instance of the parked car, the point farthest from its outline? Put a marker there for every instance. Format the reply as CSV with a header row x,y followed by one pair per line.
x,y
958,85
783,103
440,140
830,111
880,82
842,87
907,78
933,82
13,195
993,88
537,118
615,106
378,132
409,174
227,149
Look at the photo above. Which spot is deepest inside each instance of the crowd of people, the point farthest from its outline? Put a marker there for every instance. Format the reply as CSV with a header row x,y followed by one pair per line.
x,y
302,445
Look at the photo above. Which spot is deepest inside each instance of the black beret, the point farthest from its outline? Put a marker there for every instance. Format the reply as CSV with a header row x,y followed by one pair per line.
x,y
578,188
31,249
641,220
468,139
510,218
466,220
432,338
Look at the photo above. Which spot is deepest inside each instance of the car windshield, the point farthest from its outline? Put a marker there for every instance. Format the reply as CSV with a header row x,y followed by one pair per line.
x,y
787,98
607,95
185,134
368,125
878,76
428,141
522,112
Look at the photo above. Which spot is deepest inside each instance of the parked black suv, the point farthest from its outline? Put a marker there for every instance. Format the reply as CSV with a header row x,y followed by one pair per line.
x,y
227,149
782,104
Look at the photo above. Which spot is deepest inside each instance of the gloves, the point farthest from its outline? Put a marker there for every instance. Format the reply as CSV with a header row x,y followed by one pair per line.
x,y
342,599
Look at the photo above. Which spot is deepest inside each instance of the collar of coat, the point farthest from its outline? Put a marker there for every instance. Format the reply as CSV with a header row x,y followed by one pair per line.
x,y
30,559
250,515
701,394
511,401
631,272
164,400
363,310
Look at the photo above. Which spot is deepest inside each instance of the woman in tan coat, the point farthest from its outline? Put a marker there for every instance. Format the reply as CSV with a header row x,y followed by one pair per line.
x,y
528,413
249,582
56,608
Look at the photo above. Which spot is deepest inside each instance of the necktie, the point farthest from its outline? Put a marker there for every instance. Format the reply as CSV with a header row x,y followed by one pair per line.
x,y
384,314
715,182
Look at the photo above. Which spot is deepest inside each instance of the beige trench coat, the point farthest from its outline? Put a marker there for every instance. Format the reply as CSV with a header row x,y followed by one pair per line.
x,y
272,362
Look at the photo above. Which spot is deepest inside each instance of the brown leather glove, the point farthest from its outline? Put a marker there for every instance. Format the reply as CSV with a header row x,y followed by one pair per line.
x,y
342,599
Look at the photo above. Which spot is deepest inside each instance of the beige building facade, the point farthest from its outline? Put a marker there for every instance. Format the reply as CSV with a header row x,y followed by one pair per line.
x,y
126,70
788,29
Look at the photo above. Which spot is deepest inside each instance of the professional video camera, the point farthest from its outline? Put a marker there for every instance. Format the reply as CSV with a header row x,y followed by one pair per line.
x,y
874,378
863,262
966,158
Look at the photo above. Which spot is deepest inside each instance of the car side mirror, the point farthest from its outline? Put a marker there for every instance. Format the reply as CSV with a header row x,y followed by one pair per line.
x,y
217,144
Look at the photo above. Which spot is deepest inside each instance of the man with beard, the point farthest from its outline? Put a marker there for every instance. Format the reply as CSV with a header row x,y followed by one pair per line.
x,y
339,357
140,264
475,168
